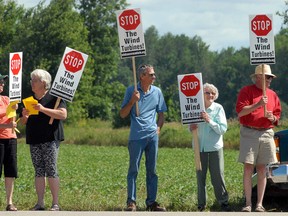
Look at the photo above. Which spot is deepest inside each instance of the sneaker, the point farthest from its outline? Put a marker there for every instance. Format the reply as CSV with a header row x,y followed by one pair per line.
x,y
55,207
225,208
155,207
201,208
131,206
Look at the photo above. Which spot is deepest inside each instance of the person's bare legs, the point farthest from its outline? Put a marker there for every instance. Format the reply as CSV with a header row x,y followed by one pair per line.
x,y
9,187
54,187
40,190
247,181
261,183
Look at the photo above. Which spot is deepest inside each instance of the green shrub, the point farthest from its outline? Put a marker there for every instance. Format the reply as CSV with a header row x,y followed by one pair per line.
x,y
173,134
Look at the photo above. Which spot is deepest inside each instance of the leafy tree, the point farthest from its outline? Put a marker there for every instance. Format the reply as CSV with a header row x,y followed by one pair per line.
x,y
100,20
151,40
10,17
231,72
48,31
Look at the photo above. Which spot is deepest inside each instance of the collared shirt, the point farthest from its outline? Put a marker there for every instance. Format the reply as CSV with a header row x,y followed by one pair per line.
x,y
210,135
151,103
249,95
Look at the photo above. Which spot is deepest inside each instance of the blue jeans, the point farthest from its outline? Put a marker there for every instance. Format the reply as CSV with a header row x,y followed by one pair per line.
x,y
136,149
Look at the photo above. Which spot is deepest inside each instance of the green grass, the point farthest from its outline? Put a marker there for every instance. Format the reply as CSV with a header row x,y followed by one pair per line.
x,y
93,172
94,179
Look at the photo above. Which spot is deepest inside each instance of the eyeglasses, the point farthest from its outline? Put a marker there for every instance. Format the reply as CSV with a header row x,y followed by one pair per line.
x,y
152,75
209,93
34,80
267,77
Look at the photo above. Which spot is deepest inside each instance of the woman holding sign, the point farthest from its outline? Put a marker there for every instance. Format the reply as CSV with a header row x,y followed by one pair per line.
x,y
8,147
210,135
44,138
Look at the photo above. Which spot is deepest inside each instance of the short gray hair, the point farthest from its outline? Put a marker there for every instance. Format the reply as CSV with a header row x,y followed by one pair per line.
x,y
142,69
212,88
43,76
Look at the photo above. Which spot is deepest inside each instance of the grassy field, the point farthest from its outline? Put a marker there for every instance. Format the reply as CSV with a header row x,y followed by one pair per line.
x,y
93,172
94,179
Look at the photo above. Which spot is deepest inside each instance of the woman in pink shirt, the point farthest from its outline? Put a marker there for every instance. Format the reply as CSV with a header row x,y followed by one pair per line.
x,y
8,147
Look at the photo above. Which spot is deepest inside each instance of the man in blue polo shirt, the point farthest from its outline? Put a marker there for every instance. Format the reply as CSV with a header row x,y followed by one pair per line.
x,y
144,134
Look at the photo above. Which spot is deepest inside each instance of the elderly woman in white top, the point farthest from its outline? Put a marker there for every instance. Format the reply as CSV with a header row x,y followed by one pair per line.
x,y
210,136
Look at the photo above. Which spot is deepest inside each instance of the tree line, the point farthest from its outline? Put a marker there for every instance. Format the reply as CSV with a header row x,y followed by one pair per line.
x,y
43,32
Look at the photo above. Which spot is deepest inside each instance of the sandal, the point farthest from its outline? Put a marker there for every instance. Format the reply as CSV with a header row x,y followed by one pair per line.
x,y
11,207
55,207
38,207
260,209
246,209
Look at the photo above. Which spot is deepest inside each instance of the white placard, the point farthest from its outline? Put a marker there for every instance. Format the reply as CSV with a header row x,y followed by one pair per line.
x,y
15,76
262,49
130,32
69,74
191,97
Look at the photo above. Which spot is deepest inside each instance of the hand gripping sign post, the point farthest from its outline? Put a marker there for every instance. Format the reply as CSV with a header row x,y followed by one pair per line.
x,y
15,82
261,43
192,104
131,38
68,76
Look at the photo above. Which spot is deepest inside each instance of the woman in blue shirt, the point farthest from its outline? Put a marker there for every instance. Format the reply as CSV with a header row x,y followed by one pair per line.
x,y
210,136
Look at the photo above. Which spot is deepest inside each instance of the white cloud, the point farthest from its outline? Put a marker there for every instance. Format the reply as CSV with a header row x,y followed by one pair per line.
x,y
220,23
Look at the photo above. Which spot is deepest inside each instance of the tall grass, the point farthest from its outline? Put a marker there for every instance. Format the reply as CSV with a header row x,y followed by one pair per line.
x,y
173,135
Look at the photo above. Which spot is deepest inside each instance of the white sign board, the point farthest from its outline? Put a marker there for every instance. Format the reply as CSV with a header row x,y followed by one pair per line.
x,y
130,32
15,76
69,74
262,49
191,97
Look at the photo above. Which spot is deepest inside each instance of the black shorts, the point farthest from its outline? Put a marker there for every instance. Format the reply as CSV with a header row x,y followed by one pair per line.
x,y
8,157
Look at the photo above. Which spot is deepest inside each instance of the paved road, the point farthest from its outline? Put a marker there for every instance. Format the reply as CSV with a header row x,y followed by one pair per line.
x,y
96,213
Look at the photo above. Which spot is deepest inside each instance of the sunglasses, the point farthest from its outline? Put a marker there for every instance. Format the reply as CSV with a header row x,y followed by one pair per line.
x,y
267,77
152,75
2,82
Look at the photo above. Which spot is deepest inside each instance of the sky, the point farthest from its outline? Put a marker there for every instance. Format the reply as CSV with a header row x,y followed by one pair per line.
x,y
219,23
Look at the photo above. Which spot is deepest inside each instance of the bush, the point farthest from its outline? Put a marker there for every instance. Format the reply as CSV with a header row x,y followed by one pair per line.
x,y
173,134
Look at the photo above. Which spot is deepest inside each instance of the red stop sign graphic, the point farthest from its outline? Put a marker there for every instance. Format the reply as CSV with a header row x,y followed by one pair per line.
x,y
73,61
261,25
190,85
15,64
129,20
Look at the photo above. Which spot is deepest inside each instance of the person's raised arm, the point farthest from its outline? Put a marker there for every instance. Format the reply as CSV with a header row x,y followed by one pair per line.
x,y
58,113
250,108
124,112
